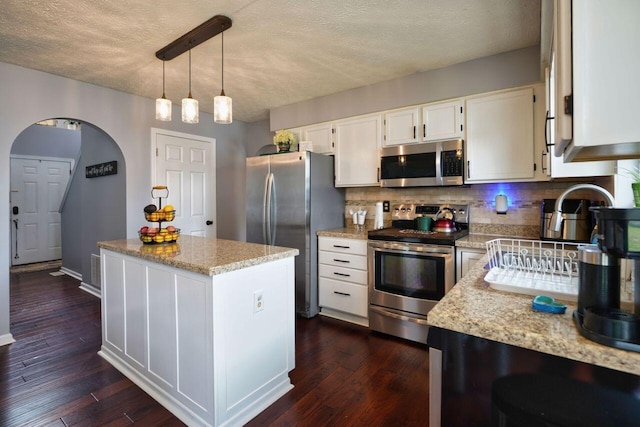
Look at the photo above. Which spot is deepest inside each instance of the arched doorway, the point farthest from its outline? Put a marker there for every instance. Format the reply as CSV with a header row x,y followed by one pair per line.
x,y
92,206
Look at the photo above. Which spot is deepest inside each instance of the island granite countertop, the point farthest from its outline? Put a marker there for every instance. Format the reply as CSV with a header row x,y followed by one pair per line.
x,y
473,308
202,255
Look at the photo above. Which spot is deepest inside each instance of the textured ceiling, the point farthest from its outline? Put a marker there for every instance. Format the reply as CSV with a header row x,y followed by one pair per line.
x,y
276,53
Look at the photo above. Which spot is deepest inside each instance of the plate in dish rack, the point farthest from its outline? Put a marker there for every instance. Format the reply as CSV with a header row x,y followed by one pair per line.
x,y
533,283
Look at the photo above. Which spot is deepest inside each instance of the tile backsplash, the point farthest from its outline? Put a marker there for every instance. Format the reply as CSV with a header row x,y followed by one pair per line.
x,y
524,202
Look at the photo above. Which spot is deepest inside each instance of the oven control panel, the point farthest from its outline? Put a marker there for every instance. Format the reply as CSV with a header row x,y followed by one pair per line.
x,y
410,211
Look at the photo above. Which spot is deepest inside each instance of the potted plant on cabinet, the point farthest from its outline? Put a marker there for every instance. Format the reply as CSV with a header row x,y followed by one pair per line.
x,y
634,175
283,139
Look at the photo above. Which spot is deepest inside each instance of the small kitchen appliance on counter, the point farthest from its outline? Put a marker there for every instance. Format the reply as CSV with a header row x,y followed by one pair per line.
x,y
599,316
577,220
411,266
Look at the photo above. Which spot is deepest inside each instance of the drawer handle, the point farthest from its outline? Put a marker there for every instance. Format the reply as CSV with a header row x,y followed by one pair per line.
x,y
341,274
341,260
342,293
342,246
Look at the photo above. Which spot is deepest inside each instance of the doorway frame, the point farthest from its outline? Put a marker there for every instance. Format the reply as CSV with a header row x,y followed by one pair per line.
x,y
212,179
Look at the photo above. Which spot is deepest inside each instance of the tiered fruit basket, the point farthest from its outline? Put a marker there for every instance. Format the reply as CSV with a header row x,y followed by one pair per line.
x,y
159,214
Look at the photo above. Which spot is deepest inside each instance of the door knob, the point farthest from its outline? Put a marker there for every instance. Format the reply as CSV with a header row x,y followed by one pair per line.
x,y
209,222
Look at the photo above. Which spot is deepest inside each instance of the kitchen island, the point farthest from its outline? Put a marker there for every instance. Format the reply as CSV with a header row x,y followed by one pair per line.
x,y
479,335
205,326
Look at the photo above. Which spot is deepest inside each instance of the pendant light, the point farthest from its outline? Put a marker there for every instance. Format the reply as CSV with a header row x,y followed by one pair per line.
x,y
222,104
190,113
163,105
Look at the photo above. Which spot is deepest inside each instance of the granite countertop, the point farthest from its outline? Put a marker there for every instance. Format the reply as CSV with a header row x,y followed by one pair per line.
x,y
345,232
473,308
201,255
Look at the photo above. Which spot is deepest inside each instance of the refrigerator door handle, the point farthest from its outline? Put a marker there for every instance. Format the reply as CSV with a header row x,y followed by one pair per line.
x,y
267,208
273,205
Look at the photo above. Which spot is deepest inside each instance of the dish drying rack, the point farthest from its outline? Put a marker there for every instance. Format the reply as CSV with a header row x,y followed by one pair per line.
x,y
534,267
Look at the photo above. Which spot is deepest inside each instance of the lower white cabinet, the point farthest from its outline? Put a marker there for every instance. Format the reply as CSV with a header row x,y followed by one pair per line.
x,y
465,259
342,281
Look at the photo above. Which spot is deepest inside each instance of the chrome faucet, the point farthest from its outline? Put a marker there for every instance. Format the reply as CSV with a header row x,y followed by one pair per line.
x,y
556,218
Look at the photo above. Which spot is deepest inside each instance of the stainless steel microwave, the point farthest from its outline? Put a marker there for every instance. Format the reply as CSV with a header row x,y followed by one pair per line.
x,y
423,165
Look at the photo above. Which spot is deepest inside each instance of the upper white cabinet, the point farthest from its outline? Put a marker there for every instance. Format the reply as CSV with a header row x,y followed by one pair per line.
x,y
554,166
358,141
597,66
321,135
500,137
442,120
401,126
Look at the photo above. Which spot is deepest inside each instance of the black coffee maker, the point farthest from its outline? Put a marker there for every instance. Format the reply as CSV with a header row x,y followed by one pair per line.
x,y
599,316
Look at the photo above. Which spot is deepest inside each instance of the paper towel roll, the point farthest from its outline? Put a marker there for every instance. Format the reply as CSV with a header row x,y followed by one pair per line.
x,y
378,222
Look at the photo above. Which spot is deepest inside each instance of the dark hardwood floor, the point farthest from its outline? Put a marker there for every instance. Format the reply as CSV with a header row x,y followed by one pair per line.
x,y
52,375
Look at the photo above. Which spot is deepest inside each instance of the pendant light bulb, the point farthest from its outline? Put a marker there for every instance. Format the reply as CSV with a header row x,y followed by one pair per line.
x,y
190,111
163,105
222,104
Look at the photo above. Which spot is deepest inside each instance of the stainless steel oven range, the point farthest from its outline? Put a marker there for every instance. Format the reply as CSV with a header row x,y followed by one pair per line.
x,y
410,270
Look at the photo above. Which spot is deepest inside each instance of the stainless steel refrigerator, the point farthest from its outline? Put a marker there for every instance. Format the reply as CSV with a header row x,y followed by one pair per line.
x,y
290,197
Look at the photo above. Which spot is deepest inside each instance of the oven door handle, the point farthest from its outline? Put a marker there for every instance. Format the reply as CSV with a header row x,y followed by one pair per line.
x,y
399,248
398,316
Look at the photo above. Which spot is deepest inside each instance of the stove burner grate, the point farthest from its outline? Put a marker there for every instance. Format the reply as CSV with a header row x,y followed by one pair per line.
x,y
411,231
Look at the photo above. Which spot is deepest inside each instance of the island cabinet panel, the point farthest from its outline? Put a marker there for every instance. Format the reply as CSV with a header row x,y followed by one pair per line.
x,y
214,350
162,326
113,322
135,294
194,327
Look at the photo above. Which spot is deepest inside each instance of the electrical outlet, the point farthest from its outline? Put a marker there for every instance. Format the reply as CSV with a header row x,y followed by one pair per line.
x,y
385,206
258,301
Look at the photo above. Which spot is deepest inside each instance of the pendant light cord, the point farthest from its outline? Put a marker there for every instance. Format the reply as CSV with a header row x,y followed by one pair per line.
x,y
163,97
189,73
222,60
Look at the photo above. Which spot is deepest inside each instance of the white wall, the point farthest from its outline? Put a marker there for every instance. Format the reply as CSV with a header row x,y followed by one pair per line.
x,y
29,96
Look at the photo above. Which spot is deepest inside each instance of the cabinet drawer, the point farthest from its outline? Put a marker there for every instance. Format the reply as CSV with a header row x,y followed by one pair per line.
x,y
341,273
347,297
347,246
343,260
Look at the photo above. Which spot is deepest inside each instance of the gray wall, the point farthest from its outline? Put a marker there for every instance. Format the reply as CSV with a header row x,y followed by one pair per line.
x,y
46,141
29,96
103,199
511,69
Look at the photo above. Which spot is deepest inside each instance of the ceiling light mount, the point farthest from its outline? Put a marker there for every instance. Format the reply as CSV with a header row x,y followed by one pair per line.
x,y
193,38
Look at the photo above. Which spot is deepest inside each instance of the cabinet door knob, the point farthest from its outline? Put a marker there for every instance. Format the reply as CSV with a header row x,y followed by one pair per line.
x,y
209,222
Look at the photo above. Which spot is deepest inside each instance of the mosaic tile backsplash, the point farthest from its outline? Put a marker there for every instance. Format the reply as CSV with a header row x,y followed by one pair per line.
x,y
521,219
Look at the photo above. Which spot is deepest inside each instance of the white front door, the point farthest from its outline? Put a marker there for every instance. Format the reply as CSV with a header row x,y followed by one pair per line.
x,y
186,165
37,189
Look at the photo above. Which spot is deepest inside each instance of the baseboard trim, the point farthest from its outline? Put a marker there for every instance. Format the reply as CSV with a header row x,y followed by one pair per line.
x,y
71,273
90,290
6,339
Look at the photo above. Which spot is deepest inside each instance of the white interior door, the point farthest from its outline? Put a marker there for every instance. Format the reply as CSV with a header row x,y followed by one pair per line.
x,y
37,190
186,165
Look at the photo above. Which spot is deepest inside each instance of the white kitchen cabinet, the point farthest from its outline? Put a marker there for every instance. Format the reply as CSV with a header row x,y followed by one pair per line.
x,y
342,279
401,126
554,166
321,135
442,120
358,141
597,67
500,137
465,259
